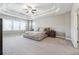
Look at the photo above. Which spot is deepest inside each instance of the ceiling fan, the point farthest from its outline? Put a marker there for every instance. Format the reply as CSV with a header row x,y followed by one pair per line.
x,y
29,9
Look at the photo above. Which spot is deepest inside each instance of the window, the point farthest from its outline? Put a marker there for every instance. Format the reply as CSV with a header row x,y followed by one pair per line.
x,y
7,25
13,25
22,25
16,25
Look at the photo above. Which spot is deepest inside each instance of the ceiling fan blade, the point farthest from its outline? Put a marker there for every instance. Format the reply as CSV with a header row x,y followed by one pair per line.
x,y
26,10
34,10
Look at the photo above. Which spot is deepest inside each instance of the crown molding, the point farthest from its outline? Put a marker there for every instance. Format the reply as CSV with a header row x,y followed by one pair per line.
x,y
11,15
8,12
49,11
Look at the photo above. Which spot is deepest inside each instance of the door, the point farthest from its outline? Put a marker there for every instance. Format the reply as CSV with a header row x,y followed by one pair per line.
x,y
0,36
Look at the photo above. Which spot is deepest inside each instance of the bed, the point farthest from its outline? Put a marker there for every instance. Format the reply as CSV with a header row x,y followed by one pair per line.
x,y
36,35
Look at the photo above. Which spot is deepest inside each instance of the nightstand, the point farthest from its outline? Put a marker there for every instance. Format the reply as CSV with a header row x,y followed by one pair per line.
x,y
52,33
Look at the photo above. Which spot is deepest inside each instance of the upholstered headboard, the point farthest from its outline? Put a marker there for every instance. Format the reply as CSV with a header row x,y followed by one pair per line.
x,y
44,29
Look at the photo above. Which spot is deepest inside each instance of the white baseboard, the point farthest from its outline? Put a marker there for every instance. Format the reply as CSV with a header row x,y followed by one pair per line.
x,y
61,37
67,38
64,37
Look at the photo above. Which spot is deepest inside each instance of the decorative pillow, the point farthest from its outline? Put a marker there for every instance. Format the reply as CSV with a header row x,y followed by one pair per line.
x,y
41,29
47,29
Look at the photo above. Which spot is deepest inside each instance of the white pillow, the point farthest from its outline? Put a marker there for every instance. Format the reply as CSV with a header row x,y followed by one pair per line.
x,y
36,29
41,29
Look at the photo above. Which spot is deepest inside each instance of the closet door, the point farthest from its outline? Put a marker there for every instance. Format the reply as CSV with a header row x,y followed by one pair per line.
x,y
0,36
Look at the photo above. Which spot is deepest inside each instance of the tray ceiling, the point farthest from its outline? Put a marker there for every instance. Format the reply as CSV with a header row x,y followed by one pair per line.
x,y
17,9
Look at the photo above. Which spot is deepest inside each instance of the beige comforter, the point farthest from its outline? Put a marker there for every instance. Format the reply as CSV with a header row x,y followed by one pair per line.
x,y
36,35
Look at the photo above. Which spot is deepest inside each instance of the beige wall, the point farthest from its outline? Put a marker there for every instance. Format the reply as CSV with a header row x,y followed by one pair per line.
x,y
60,23
67,26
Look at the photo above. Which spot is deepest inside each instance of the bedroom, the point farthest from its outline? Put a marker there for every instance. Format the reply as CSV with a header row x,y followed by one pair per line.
x,y
23,22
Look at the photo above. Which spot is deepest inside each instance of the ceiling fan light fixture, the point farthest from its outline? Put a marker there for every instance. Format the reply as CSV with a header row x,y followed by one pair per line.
x,y
29,9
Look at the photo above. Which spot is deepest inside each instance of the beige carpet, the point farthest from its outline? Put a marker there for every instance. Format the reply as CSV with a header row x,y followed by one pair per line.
x,y
17,45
